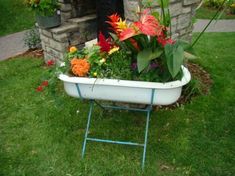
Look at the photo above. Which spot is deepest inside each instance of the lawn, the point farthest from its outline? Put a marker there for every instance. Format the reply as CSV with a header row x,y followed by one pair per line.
x,y
208,13
42,137
15,16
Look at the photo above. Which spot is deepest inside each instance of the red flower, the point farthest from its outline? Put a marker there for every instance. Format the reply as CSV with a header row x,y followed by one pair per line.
x,y
39,89
134,43
148,24
50,62
114,19
45,83
127,33
104,44
163,41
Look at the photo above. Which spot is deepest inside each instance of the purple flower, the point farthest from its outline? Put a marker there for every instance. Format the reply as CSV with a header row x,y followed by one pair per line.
x,y
153,65
134,66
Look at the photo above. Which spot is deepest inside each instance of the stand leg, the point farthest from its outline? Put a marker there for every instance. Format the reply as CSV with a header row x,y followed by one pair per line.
x,y
146,138
87,127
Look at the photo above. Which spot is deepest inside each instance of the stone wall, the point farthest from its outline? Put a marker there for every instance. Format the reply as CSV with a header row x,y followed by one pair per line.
x,y
79,26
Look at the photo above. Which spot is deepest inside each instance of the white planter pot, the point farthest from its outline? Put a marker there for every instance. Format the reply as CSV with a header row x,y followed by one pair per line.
x,y
125,91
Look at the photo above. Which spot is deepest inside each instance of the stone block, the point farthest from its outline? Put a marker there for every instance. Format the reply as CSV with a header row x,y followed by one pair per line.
x,y
86,19
190,2
62,47
44,39
65,28
187,9
65,7
184,21
176,9
46,33
130,8
61,37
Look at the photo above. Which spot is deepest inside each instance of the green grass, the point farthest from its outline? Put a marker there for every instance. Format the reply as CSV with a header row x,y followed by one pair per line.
x,y
38,138
15,16
208,13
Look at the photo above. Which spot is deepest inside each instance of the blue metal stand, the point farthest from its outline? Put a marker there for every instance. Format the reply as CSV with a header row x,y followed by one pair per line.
x,y
147,110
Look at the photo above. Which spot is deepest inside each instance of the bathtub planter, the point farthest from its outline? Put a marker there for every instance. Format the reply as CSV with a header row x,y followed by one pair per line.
x,y
125,90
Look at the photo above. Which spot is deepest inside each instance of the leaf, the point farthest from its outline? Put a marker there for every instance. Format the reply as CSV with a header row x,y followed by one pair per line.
x,y
145,56
163,3
184,44
156,14
189,56
114,36
174,58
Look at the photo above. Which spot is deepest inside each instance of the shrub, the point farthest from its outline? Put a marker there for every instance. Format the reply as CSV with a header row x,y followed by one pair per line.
x,y
213,3
32,38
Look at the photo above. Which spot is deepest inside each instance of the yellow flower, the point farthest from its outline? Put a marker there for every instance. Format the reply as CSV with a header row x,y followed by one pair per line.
x,y
72,49
102,61
121,25
233,5
95,74
113,50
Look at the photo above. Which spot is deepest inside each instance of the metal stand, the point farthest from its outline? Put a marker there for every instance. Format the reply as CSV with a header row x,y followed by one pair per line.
x,y
147,110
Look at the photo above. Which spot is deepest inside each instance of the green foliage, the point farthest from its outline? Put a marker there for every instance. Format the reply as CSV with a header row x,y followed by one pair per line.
x,y
207,13
44,7
214,3
32,38
116,67
13,15
174,55
146,55
192,89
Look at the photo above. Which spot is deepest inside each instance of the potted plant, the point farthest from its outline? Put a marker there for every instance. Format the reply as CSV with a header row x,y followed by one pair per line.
x,y
47,13
140,58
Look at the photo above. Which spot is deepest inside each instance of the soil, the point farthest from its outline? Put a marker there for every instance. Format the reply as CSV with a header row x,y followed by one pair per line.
x,y
38,53
202,87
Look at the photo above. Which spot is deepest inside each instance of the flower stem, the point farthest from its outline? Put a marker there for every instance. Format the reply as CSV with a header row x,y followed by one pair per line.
x,y
199,36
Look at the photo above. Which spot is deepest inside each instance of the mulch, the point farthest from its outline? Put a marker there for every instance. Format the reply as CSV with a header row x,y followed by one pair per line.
x,y
205,83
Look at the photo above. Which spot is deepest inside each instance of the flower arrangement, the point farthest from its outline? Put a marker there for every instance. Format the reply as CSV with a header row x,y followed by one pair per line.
x,y
43,7
142,50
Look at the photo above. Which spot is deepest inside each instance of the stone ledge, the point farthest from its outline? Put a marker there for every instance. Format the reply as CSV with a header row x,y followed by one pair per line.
x,y
67,27
82,19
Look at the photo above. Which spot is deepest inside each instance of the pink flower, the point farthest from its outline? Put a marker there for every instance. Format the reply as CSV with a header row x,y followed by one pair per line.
x,y
127,33
148,24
